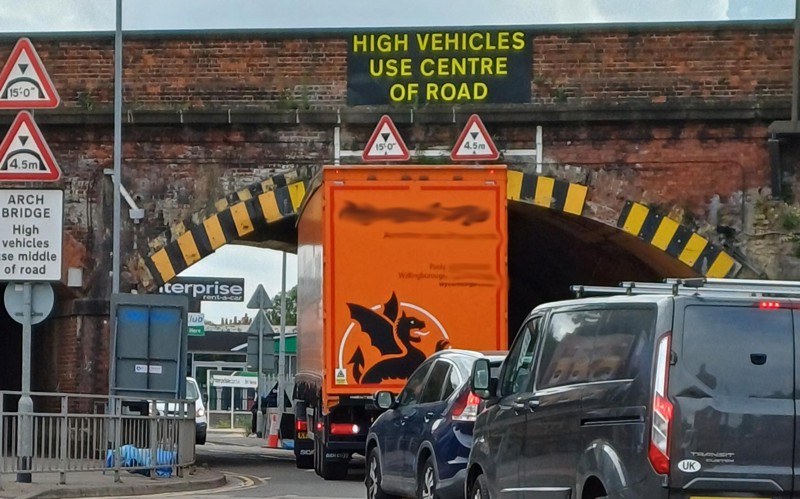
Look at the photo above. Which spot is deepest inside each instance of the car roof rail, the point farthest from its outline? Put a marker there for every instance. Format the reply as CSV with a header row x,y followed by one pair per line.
x,y
700,286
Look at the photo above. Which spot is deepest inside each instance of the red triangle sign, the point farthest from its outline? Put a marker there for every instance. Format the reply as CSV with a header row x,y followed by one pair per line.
x,y
474,143
24,83
25,156
386,144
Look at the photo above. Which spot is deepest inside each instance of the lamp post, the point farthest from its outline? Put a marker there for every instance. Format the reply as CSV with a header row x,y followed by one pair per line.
x,y
282,344
117,149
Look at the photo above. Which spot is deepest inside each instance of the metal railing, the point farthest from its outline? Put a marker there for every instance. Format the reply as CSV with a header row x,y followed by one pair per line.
x,y
76,432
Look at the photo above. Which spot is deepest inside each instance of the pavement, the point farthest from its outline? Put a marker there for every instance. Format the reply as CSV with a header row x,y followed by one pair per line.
x,y
101,484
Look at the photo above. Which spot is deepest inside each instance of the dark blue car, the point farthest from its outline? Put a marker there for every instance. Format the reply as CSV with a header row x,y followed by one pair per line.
x,y
420,446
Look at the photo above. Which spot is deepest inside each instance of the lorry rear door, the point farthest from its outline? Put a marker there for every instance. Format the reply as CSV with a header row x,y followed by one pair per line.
x,y
732,384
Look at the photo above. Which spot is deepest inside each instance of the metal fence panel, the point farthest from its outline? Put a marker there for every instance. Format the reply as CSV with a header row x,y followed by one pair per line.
x,y
79,433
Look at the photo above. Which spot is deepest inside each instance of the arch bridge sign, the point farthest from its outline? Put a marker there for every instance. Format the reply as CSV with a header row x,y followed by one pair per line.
x,y
31,231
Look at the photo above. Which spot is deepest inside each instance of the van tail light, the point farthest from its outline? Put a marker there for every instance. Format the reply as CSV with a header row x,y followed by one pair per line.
x,y
466,408
662,410
301,425
345,429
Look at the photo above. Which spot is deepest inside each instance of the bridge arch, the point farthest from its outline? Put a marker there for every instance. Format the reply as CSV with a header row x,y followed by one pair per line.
x,y
554,238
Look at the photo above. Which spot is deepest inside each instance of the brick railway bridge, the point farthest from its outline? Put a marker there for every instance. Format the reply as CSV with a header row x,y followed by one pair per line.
x,y
658,155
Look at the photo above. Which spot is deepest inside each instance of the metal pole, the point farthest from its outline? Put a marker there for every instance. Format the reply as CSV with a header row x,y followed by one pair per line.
x,y
282,344
796,66
259,416
25,402
115,265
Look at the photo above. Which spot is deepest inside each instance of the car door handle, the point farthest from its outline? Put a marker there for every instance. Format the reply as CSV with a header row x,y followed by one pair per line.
x,y
521,404
429,416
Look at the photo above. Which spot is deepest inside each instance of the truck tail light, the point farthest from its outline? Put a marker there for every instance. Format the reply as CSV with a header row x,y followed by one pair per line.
x,y
344,429
466,409
301,425
662,410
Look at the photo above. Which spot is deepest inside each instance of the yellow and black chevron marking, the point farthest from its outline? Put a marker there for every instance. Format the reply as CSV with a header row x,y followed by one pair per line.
x,y
547,192
238,215
676,240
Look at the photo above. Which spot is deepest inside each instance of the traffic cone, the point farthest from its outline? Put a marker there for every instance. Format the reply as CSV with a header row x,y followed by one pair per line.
x,y
272,439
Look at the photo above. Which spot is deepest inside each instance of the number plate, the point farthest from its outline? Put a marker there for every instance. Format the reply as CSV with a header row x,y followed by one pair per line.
x,y
302,434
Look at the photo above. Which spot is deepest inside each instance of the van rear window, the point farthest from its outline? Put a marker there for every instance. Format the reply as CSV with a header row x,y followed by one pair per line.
x,y
739,351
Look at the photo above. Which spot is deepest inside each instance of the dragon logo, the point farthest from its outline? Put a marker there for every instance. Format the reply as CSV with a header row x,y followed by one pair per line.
x,y
394,339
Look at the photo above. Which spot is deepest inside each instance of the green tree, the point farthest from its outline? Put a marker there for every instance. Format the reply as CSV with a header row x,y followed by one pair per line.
x,y
274,314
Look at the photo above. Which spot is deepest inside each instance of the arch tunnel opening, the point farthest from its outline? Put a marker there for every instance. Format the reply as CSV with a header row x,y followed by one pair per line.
x,y
548,251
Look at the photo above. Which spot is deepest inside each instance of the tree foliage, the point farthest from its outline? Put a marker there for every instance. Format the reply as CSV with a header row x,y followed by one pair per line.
x,y
274,314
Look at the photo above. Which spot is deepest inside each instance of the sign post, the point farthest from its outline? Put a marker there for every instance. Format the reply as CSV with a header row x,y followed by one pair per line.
x,y
25,401
260,301
31,221
27,304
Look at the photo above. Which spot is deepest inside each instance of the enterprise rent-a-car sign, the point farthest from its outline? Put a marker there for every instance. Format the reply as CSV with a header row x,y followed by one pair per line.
x,y
433,67
206,289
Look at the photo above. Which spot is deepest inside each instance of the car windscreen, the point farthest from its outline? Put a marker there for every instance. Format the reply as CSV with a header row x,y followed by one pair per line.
x,y
191,391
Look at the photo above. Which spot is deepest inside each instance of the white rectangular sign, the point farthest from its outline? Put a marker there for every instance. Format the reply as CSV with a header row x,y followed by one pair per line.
x,y
221,380
145,368
31,230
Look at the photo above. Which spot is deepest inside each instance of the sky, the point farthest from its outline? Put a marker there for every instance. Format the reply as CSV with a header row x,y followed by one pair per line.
x,y
255,265
261,266
28,16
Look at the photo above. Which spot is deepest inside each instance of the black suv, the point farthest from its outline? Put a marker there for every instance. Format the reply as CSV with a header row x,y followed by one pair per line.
x,y
679,390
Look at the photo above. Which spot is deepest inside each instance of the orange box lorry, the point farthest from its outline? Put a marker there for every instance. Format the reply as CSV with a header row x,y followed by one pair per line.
x,y
394,263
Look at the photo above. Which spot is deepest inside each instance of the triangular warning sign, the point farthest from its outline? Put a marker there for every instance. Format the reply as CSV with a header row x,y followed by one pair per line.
x,y
474,143
385,143
24,155
24,83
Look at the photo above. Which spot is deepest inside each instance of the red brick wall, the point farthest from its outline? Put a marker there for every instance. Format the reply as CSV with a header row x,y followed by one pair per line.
x,y
71,355
653,65
664,66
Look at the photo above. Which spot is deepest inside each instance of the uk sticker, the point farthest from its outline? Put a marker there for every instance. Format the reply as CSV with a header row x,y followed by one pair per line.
x,y
341,376
689,466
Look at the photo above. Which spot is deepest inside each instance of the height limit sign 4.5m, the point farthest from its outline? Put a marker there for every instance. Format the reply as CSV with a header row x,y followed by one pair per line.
x,y
31,231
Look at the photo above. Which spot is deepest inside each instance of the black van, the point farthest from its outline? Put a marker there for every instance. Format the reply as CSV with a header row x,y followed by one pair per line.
x,y
668,391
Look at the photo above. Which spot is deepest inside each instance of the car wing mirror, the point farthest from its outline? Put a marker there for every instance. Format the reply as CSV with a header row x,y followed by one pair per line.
x,y
384,399
480,381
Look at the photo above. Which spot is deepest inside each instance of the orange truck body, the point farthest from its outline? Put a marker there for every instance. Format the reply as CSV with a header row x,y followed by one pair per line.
x,y
434,237
394,263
